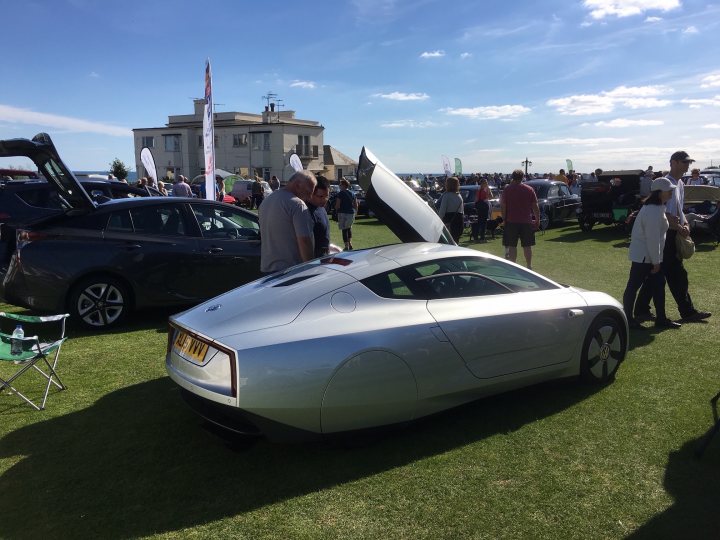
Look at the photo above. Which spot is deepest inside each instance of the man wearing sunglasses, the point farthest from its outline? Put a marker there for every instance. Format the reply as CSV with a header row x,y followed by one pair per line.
x,y
672,266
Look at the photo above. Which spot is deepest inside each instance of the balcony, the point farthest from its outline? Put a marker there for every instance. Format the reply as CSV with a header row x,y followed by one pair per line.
x,y
306,151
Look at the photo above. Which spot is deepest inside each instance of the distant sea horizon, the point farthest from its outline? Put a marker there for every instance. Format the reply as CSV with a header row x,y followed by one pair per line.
x,y
131,177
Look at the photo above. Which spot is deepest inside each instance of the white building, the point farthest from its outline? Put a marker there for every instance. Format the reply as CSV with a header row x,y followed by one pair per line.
x,y
245,143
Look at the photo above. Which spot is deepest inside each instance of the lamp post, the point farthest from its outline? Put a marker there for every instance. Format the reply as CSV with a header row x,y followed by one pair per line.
x,y
526,163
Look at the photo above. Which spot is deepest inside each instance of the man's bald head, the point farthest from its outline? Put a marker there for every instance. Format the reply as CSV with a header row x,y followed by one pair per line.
x,y
302,184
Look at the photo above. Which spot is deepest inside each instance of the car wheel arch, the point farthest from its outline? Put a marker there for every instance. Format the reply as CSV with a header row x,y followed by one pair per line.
x,y
386,392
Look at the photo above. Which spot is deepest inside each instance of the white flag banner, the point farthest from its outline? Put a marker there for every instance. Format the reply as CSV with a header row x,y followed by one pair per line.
x,y
149,163
209,136
446,166
295,163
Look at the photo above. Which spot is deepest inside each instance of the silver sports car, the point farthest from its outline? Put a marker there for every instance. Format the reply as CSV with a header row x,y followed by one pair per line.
x,y
386,335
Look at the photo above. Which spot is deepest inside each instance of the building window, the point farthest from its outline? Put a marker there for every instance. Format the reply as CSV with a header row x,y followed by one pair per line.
x,y
217,141
266,141
255,140
172,143
239,139
303,146
148,142
266,174
200,141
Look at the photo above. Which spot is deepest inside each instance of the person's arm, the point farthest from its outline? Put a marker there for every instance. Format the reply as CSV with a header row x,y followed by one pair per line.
x,y
305,247
337,200
355,204
443,206
503,209
536,213
655,237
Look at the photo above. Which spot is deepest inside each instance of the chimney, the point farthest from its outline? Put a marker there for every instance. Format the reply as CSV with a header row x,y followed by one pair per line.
x,y
272,107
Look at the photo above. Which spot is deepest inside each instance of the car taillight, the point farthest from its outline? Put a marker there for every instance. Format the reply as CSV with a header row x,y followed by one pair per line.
x,y
4,216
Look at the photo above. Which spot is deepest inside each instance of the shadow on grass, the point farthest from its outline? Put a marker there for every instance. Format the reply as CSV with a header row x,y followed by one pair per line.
x,y
137,462
695,486
600,234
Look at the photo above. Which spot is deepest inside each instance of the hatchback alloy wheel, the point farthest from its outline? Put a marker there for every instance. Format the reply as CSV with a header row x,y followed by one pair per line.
x,y
603,350
100,303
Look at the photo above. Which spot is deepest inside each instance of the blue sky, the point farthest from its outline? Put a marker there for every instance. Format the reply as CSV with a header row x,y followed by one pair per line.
x,y
606,83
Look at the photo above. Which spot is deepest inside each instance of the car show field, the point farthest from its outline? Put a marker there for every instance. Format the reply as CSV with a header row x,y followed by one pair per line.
x,y
118,454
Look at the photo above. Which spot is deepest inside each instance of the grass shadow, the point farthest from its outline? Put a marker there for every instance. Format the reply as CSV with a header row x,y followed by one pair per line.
x,y
136,462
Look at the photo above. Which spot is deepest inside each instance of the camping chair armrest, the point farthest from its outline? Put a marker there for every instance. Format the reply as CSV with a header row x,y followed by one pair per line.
x,y
34,318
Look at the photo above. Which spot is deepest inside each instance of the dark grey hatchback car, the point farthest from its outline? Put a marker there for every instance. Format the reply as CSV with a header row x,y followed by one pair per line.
x,y
99,262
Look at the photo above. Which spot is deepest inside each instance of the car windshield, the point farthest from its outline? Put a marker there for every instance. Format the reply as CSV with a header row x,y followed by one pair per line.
x,y
540,190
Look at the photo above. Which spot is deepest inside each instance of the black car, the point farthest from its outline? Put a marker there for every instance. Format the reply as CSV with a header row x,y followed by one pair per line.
x,y
99,262
555,201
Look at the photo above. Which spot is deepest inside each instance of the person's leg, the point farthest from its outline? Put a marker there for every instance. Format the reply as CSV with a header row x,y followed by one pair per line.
x,y
677,278
482,227
527,251
511,253
638,271
510,241
657,282
349,237
642,304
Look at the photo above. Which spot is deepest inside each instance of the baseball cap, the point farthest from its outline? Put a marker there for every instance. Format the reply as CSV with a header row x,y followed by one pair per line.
x,y
681,155
661,184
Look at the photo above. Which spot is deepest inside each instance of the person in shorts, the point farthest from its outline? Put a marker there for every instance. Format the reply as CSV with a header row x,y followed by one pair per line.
x,y
346,206
521,215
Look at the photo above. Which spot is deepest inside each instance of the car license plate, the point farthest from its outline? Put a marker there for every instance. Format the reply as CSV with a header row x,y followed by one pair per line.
x,y
601,214
190,348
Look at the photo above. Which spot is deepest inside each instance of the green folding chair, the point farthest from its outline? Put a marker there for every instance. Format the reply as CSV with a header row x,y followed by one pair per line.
x,y
37,355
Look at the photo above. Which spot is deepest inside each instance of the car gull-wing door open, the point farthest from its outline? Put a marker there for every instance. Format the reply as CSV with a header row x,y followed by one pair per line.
x,y
396,205
42,152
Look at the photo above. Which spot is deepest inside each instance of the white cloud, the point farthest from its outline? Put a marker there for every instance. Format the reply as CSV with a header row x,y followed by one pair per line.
x,y
465,55
625,123
408,124
303,84
710,80
599,9
707,102
573,141
633,97
403,96
94,75
690,30
653,19
16,115
711,126
432,54
493,112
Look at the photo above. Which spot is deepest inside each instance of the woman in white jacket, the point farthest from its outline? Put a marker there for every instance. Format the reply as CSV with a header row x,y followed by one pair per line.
x,y
646,253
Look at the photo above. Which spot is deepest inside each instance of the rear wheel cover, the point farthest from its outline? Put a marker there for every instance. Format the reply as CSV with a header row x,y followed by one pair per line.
x,y
100,302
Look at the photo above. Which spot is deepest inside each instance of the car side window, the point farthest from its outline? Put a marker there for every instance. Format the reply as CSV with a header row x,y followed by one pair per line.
x,y
457,277
120,222
553,191
158,220
216,222
565,191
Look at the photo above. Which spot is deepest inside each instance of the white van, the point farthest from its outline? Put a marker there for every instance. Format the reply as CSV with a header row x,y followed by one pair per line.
x,y
242,191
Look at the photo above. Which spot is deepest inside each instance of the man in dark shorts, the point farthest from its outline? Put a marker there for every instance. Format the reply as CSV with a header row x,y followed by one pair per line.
x,y
321,224
521,214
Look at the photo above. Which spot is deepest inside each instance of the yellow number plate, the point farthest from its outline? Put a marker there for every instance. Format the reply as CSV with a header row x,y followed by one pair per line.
x,y
190,348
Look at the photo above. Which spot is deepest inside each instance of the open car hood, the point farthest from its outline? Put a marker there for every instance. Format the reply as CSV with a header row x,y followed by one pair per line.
x,y
396,205
42,152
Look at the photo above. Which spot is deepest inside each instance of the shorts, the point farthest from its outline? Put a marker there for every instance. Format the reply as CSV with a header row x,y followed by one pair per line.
x,y
345,221
523,231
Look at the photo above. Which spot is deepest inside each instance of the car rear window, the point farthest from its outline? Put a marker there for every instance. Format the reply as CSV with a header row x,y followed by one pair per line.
x,y
39,197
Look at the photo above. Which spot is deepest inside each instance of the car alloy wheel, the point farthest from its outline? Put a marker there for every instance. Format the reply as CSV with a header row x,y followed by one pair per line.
x,y
544,220
100,302
603,350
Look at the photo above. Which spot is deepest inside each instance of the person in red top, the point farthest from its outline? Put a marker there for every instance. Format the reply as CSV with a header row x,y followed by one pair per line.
x,y
520,213
482,208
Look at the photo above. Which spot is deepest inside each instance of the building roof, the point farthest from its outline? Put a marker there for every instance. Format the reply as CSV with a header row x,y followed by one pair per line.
x,y
333,156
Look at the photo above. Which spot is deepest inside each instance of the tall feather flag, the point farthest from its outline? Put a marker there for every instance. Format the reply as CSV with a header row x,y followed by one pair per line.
x,y
568,162
446,166
209,136
458,166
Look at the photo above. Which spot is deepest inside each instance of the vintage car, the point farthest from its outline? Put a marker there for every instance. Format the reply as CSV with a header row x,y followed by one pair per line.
x,y
555,200
611,199
386,335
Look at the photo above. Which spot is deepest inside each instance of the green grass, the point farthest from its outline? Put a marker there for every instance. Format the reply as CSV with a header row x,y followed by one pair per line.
x,y
119,454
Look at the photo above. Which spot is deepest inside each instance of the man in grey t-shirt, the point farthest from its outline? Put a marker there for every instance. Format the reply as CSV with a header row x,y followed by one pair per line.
x,y
286,225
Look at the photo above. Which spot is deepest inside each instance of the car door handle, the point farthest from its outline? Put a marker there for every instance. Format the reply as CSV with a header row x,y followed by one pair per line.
x,y
132,246
575,313
215,250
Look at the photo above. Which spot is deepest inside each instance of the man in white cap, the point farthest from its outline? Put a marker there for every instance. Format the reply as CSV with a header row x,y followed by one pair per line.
x,y
672,265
